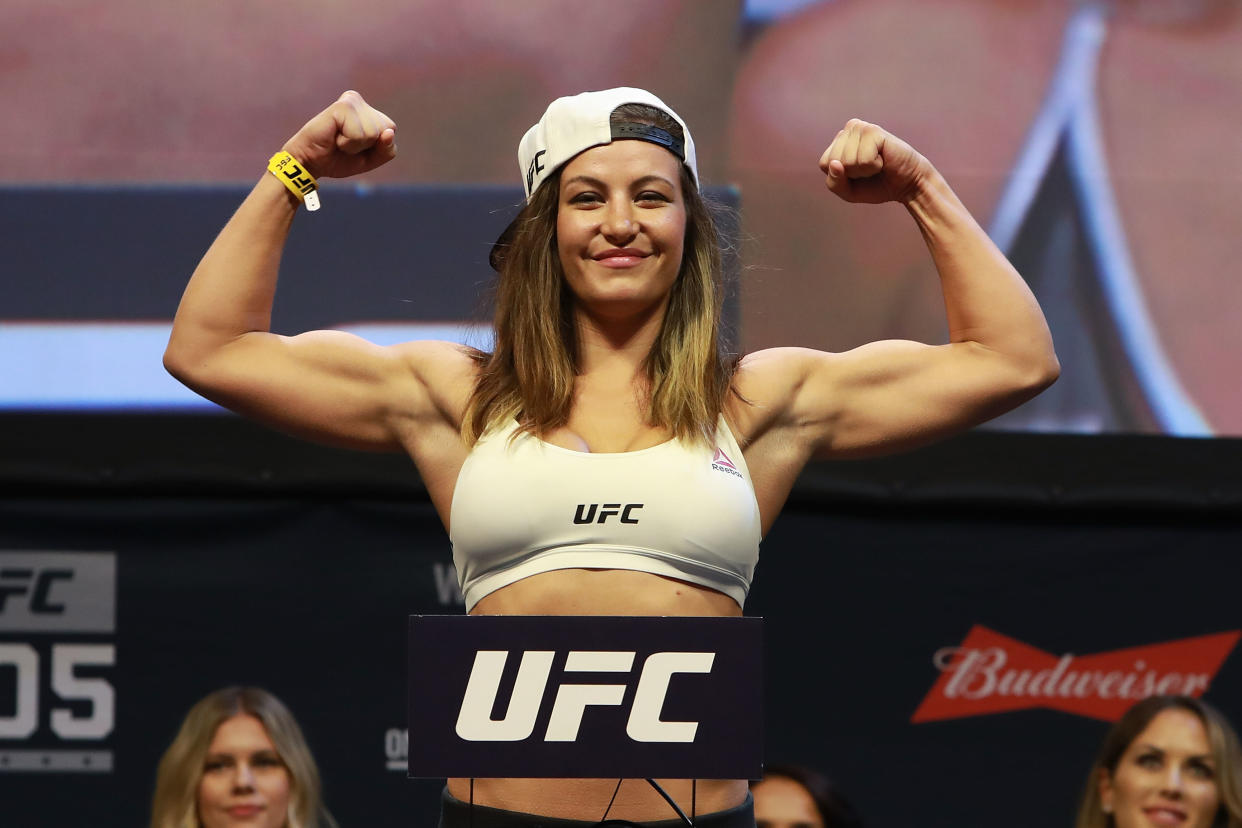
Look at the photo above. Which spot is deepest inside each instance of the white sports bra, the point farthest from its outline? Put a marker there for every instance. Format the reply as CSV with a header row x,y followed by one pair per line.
x,y
682,510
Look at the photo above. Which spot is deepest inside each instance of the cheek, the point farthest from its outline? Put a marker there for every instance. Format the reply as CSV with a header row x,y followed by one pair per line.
x,y
1127,788
210,789
571,230
275,788
1206,795
674,235
672,224
566,243
212,794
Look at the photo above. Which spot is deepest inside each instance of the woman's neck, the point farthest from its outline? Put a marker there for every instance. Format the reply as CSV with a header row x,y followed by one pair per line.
x,y
617,346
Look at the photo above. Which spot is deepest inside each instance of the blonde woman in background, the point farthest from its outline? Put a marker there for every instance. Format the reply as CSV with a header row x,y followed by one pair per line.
x,y
1169,761
238,759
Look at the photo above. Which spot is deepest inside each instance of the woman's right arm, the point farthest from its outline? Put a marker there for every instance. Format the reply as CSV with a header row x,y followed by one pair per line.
x,y
325,385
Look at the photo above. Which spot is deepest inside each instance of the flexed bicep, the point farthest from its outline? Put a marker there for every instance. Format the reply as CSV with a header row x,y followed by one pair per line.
x,y
882,397
334,387
325,385
894,395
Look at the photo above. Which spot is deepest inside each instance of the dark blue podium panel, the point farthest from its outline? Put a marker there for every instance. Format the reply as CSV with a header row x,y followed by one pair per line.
x,y
585,696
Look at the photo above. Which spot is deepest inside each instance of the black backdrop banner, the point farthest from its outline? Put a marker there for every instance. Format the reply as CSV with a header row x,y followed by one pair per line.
x,y
875,585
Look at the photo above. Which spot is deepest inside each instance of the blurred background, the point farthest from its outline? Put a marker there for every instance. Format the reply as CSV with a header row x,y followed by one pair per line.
x,y
1093,140
1096,141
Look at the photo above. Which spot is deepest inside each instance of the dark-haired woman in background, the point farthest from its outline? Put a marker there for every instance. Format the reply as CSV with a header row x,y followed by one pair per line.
x,y
795,796
239,759
1169,761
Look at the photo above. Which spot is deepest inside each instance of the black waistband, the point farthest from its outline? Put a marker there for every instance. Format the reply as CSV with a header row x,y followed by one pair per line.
x,y
457,814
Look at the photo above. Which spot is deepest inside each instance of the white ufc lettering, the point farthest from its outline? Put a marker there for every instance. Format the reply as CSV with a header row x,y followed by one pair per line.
x,y
645,724
475,722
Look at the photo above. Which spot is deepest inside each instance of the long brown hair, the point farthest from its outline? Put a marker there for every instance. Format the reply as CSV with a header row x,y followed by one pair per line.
x,y
175,804
529,375
1225,753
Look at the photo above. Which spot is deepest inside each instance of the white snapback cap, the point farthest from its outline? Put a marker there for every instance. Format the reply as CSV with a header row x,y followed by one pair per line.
x,y
578,122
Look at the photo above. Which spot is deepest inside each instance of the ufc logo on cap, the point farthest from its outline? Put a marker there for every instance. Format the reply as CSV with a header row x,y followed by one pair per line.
x,y
534,168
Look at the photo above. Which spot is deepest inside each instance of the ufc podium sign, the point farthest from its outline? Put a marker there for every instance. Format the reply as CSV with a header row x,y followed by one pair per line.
x,y
585,696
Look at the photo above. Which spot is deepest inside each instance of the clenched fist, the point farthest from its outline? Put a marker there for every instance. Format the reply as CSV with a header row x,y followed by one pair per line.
x,y
866,164
347,138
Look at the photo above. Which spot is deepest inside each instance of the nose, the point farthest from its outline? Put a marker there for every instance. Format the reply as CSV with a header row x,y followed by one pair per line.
x,y
619,223
243,777
1173,781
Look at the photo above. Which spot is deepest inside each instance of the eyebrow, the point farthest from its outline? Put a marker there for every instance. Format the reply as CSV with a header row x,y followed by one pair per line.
x,y
595,182
231,754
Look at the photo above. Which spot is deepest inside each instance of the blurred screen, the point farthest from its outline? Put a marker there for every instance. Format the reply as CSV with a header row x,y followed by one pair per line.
x,y
1092,149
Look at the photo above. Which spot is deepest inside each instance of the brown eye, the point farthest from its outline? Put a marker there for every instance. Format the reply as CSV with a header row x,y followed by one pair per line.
x,y
1200,770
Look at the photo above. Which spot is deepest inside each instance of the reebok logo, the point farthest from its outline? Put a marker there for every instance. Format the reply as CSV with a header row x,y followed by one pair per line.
x,y
721,462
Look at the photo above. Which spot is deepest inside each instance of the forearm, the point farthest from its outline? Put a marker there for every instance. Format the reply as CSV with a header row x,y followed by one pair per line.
x,y
986,300
231,291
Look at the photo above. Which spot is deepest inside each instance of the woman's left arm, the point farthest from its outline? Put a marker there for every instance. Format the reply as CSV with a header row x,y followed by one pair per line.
x,y
891,395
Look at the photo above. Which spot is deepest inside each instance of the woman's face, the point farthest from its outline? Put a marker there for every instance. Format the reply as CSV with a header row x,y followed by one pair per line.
x,y
245,782
1166,777
783,803
621,226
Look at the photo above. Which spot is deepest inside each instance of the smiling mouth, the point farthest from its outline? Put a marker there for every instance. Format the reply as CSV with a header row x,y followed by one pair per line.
x,y
620,253
1165,816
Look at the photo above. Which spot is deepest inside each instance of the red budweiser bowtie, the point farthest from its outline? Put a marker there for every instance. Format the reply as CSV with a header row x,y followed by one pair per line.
x,y
992,673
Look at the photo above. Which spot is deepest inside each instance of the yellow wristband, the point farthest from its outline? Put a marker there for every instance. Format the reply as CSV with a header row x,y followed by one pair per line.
x,y
294,176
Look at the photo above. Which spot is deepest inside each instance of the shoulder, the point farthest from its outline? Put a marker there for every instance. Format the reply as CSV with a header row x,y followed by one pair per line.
x,y
431,355
769,374
810,393
445,371
768,385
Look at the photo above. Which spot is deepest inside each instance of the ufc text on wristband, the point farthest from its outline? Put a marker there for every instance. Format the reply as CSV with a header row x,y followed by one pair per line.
x,y
294,176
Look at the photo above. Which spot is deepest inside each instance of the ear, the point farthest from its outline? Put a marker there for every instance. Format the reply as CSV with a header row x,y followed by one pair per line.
x,y
1105,786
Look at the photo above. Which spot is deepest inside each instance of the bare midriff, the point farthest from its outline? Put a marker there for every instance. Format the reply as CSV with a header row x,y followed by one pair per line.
x,y
603,592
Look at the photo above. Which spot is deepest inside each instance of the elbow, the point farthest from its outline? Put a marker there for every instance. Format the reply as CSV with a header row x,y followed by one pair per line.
x,y
1039,374
176,362
171,363
1049,371
187,365
196,371
1054,370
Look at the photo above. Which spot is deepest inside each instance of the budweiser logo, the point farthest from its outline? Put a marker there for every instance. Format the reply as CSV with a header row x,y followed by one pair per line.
x,y
992,673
